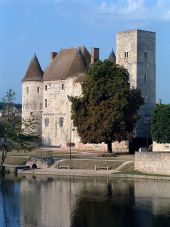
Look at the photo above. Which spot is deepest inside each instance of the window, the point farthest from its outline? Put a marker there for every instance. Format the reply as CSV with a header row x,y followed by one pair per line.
x,y
61,122
27,90
46,87
145,56
46,122
62,87
45,103
126,54
38,90
145,78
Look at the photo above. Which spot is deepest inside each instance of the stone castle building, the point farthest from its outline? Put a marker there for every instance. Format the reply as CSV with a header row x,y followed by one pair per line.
x,y
45,94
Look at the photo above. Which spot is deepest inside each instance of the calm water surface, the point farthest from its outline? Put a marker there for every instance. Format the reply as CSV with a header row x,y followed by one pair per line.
x,y
83,202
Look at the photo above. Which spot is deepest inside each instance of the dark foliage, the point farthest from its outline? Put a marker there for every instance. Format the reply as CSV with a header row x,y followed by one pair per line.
x,y
13,136
107,109
161,123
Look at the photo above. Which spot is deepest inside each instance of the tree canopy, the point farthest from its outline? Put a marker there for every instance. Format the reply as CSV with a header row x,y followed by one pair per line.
x,y
107,109
13,134
161,123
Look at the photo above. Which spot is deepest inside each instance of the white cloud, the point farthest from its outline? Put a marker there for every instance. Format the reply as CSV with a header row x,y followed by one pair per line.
x,y
136,9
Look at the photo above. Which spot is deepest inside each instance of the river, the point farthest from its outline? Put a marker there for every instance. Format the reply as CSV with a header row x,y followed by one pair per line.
x,y
83,202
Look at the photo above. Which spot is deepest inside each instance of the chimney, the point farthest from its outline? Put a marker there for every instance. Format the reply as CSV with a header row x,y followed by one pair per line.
x,y
94,55
53,54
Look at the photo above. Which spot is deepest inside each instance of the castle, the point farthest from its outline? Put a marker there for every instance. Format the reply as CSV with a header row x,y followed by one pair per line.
x,y
45,94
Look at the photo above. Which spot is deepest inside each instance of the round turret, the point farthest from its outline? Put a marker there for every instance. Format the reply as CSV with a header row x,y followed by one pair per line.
x,y
32,93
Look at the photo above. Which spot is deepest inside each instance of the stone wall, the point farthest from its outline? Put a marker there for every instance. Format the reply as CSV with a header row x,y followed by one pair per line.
x,y
153,162
122,147
135,50
32,93
58,106
161,147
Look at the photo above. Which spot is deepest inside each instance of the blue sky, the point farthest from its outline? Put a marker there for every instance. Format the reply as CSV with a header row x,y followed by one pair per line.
x,y
42,26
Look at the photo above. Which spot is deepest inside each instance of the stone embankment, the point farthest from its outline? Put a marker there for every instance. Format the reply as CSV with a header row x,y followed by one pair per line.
x,y
153,162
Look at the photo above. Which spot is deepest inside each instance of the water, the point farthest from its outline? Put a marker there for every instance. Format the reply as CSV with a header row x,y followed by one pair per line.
x,y
83,202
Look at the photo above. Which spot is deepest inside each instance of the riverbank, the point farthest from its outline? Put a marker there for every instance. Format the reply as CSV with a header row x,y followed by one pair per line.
x,y
90,173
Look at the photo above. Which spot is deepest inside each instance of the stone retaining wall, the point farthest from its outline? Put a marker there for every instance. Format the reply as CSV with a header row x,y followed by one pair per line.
x,y
156,162
161,147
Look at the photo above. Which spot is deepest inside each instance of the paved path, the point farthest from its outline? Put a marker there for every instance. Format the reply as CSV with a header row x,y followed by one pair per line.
x,y
67,172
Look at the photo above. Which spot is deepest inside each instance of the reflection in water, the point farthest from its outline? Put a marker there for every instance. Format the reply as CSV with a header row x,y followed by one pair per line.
x,y
84,202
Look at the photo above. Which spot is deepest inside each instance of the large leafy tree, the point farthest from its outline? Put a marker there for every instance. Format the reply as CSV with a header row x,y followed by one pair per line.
x,y
107,110
161,123
14,134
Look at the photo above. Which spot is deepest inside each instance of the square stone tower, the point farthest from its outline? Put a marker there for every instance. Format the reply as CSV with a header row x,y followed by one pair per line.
x,y
136,51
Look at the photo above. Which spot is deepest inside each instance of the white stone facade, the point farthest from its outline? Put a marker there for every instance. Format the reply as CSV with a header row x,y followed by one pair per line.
x,y
56,118
32,102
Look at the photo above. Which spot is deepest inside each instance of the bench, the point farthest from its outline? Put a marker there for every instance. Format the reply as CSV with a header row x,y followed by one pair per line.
x,y
101,167
63,167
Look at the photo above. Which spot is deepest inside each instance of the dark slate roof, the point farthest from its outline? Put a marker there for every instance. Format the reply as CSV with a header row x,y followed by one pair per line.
x,y
112,57
68,63
34,71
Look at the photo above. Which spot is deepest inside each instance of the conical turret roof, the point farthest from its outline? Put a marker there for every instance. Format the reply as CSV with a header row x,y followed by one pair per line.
x,y
112,57
34,71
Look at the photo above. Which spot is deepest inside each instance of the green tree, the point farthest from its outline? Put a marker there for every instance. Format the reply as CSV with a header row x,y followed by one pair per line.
x,y
107,109
160,126
14,133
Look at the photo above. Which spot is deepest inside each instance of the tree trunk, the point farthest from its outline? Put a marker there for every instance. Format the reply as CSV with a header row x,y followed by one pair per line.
x,y
109,147
3,156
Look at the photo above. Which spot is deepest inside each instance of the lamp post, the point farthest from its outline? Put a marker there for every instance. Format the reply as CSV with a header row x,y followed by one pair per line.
x,y
71,129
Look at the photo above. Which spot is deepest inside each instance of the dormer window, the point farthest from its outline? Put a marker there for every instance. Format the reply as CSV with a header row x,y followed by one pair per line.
x,y
126,54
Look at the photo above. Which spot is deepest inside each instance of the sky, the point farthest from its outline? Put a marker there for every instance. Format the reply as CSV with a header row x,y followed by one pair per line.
x,y
41,26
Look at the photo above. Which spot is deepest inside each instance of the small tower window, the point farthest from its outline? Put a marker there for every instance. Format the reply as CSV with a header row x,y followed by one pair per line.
x,y
46,122
145,78
126,54
62,87
45,103
27,90
61,122
46,87
38,90
145,56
